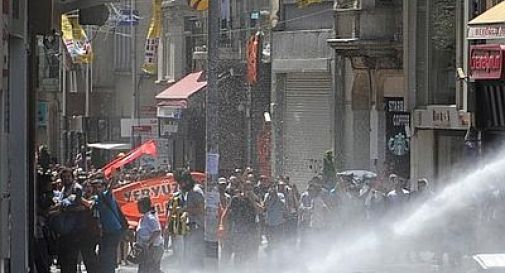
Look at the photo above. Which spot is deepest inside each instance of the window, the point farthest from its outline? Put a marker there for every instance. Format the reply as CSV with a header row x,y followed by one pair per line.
x,y
48,57
122,49
436,52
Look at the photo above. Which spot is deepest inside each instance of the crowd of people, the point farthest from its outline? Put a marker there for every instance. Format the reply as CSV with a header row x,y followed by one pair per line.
x,y
79,221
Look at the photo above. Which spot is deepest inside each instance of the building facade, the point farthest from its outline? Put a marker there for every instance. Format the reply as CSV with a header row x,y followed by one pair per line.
x,y
485,62
372,116
436,48
302,94
183,53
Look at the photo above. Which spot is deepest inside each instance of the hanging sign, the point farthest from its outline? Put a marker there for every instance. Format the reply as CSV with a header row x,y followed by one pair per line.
x,y
486,32
153,39
253,59
486,62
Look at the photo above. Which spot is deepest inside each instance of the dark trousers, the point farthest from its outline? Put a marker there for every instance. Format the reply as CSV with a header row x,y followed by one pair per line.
x,y
107,254
70,246
41,256
275,236
88,252
152,262
194,250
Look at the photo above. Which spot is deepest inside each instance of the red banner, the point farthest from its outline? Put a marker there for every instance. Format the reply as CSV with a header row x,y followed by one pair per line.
x,y
160,189
253,48
148,148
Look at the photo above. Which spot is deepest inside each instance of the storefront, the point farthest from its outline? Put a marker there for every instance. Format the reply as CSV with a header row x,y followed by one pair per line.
x,y
302,103
439,145
486,34
180,122
307,123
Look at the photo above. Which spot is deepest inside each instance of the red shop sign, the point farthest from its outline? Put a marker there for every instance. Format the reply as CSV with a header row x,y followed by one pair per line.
x,y
486,62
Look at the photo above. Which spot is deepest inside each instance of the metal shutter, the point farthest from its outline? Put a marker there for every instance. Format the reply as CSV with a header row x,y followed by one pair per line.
x,y
307,124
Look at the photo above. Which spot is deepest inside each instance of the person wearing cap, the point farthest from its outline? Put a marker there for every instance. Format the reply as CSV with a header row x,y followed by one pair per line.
x,y
222,214
233,187
275,211
262,187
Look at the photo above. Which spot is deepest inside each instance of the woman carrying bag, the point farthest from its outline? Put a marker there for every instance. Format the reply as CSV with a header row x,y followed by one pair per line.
x,y
149,237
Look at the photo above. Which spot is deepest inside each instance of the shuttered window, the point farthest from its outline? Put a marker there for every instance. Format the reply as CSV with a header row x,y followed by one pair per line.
x,y
308,124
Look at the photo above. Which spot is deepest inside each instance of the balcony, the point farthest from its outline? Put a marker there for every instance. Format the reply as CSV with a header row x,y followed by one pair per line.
x,y
369,28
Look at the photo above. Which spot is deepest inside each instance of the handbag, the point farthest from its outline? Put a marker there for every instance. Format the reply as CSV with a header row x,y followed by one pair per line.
x,y
137,254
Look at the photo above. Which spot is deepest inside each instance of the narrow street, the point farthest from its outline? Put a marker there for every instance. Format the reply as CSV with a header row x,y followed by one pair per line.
x,y
257,136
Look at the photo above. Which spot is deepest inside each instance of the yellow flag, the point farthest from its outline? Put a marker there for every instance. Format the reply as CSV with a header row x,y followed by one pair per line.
x,y
199,5
76,41
304,3
153,40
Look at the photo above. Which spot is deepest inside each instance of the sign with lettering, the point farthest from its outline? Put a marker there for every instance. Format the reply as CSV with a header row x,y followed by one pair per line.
x,y
485,32
397,142
441,118
486,62
159,189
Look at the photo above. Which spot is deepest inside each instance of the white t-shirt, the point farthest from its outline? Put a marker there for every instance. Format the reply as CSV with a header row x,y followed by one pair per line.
x,y
149,223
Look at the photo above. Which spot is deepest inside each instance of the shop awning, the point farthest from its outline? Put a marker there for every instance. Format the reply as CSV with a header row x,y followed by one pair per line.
x,y
494,15
110,146
488,25
179,93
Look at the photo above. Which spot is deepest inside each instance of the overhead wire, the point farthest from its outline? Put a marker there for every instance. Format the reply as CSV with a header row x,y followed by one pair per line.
x,y
264,26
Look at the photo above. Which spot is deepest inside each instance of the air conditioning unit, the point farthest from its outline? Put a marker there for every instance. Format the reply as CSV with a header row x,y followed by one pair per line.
x,y
169,112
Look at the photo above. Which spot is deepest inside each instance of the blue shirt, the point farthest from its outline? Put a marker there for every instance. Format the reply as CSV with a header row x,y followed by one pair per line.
x,y
109,214
275,209
149,224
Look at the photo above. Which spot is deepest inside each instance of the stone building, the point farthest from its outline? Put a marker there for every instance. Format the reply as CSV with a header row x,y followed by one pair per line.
x,y
436,48
369,87
302,92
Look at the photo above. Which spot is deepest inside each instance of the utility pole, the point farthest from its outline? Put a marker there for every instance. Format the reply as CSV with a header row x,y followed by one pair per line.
x,y
133,72
83,150
212,125
64,128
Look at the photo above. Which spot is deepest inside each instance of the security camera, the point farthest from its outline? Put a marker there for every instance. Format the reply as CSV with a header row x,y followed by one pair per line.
x,y
267,117
461,74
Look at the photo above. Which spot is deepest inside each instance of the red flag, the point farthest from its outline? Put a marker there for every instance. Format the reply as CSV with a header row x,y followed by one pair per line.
x,y
107,169
148,148
252,54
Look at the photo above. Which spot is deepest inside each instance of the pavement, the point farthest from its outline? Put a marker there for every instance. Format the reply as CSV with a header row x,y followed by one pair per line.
x,y
169,265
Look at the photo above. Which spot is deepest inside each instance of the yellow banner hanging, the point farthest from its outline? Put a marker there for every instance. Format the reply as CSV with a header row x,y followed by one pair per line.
x,y
199,5
76,41
153,40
